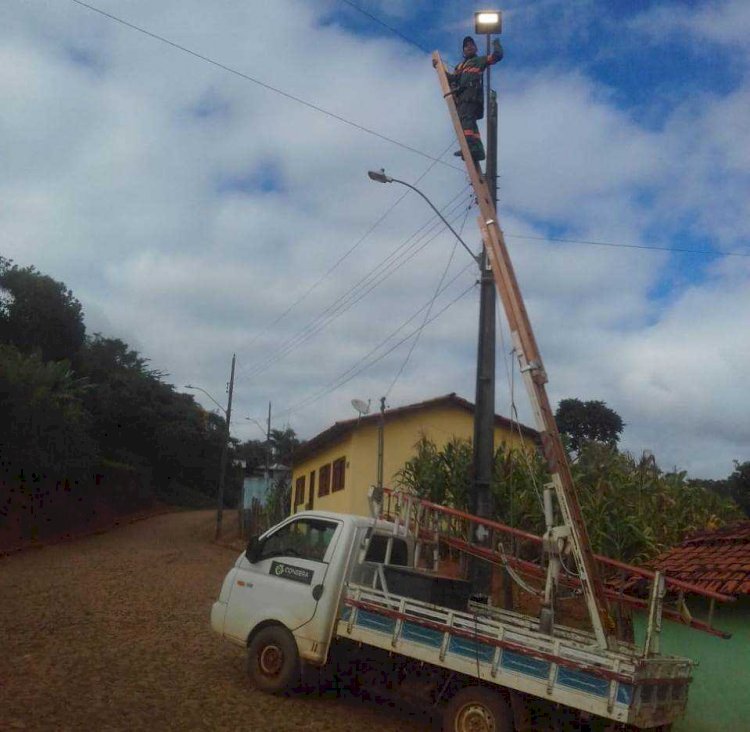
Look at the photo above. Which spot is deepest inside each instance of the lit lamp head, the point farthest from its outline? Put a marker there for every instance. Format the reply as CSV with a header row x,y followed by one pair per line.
x,y
488,22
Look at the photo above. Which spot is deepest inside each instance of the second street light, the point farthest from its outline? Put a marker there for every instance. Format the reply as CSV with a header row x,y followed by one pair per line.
x,y
224,447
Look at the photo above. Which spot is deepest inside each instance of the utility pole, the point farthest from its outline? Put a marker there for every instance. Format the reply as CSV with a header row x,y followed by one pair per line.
x,y
481,503
381,447
224,453
267,476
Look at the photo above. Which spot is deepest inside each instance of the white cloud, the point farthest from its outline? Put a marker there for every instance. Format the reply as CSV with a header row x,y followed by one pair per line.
x,y
187,208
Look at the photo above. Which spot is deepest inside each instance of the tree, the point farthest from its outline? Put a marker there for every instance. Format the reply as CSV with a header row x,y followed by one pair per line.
x,y
253,452
38,313
283,445
142,421
739,485
591,421
44,430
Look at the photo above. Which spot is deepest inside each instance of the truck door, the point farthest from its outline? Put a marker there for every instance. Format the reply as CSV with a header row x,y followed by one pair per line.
x,y
286,579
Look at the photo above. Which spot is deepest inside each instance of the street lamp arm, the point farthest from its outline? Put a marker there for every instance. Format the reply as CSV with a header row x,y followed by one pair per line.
x,y
198,388
260,426
381,177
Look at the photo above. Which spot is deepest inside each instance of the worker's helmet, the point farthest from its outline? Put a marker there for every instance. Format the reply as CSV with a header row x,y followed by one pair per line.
x,y
468,41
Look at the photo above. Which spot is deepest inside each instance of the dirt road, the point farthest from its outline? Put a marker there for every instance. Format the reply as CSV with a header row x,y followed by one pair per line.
x,y
112,632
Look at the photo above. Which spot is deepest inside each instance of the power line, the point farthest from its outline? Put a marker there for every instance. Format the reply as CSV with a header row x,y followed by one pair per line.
x,y
314,398
356,244
395,332
370,281
382,270
429,307
252,79
629,246
385,25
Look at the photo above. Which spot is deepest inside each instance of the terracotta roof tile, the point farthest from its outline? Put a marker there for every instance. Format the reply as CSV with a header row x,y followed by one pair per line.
x,y
715,560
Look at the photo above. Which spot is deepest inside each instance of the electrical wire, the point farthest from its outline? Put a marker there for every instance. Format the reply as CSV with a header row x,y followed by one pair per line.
x,y
385,25
374,133
349,251
308,402
393,334
678,250
431,303
376,276
351,297
263,84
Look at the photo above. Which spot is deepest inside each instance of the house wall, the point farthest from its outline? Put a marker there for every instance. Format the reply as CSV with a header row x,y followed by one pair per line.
x,y
335,501
439,424
719,697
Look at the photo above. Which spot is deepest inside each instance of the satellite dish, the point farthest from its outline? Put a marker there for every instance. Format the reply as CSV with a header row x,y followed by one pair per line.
x,y
360,406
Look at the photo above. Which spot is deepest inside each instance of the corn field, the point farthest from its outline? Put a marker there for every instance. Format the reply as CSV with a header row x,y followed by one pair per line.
x,y
633,509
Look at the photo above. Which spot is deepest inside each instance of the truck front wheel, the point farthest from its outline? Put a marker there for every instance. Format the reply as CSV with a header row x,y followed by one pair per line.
x,y
273,660
477,709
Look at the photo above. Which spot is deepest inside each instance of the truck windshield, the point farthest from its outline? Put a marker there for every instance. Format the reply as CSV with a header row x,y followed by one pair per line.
x,y
305,538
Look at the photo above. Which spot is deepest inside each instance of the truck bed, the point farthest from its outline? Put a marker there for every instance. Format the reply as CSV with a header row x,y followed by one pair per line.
x,y
506,648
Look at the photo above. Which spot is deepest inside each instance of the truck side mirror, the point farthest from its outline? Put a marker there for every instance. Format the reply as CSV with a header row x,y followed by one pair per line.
x,y
253,550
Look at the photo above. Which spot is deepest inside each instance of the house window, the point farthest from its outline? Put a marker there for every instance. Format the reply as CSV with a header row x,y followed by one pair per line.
x,y
311,492
339,470
324,480
299,491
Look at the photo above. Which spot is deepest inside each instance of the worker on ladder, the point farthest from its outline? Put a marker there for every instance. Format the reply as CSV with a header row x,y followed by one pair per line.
x,y
468,90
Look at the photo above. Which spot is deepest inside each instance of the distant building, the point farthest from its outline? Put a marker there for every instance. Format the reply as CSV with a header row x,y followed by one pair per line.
x,y
256,483
334,470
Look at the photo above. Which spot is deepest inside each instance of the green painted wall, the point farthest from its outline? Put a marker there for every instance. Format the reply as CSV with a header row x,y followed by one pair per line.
x,y
719,697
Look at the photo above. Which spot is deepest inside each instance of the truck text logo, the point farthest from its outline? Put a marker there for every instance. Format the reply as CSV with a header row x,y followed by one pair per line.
x,y
290,572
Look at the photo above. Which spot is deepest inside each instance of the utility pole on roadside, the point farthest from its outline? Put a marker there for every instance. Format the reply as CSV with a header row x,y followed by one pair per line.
x,y
481,501
268,451
381,447
224,453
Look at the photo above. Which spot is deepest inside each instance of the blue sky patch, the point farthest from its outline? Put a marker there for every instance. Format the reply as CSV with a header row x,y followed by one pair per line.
x,y
265,178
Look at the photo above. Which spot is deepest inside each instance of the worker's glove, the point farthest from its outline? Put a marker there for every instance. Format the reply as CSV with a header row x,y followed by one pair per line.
x,y
497,49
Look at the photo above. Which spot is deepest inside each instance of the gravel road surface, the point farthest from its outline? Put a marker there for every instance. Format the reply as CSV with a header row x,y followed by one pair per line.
x,y
111,632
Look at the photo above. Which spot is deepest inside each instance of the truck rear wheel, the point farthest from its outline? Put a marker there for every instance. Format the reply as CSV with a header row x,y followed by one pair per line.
x,y
477,709
273,660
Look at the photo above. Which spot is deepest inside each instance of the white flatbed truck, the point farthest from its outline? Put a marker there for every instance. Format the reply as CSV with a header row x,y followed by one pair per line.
x,y
319,582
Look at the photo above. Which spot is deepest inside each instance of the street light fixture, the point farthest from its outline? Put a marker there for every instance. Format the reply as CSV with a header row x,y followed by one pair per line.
x,y
488,21
260,426
198,388
379,176
224,447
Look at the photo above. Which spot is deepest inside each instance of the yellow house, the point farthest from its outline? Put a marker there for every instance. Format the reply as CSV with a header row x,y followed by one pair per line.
x,y
334,470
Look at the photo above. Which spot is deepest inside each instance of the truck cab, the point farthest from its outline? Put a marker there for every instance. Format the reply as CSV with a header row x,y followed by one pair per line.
x,y
292,577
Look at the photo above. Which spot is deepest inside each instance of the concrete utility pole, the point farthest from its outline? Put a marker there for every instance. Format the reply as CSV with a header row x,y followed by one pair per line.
x,y
268,451
381,447
481,502
224,453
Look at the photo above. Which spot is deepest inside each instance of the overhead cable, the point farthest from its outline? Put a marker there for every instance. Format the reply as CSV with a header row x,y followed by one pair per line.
x,y
274,89
385,25
382,271
429,308
306,403
349,251
678,250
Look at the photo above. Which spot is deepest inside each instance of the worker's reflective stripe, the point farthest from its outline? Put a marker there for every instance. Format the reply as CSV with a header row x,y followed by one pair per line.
x,y
472,70
471,133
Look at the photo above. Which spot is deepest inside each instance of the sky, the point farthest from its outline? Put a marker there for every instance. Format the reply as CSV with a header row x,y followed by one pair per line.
x,y
196,174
